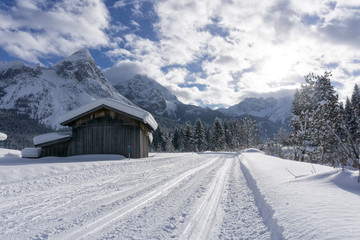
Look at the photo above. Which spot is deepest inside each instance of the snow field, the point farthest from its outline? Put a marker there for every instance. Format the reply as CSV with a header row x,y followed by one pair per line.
x,y
176,196
166,196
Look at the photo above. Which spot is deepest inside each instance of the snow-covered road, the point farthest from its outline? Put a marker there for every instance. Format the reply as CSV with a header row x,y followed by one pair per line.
x,y
166,196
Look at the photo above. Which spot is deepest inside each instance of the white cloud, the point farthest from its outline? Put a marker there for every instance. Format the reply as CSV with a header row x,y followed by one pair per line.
x,y
123,71
237,48
36,28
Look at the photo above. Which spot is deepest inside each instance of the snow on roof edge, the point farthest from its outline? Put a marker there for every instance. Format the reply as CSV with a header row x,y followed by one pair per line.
x,y
31,153
145,116
49,137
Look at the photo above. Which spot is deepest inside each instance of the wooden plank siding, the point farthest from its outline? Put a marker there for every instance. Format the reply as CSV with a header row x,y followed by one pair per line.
x,y
104,132
60,149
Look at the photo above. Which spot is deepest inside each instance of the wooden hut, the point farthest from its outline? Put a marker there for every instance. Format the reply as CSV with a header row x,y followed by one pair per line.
x,y
104,126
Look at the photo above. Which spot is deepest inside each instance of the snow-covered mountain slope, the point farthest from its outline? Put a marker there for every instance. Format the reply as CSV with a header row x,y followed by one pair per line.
x,y
149,94
273,109
48,93
158,100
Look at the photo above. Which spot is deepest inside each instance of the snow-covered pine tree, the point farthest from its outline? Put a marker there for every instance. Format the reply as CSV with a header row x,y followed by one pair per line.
x,y
177,140
250,131
157,139
350,119
189,137
318,122
326,119
233,135
199,136
355,103
218,138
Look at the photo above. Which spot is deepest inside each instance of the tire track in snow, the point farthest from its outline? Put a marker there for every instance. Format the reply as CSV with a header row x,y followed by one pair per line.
x,y
202,221
91,228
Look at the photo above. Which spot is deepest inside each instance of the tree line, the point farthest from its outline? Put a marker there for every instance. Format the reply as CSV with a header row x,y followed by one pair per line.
x,y
324,130
227,135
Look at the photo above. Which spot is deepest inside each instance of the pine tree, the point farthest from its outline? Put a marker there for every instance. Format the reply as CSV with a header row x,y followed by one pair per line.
x,y
157,139
218,137
350,119
177,140
199,136
250,132
355,103
318,122
189,137
228,135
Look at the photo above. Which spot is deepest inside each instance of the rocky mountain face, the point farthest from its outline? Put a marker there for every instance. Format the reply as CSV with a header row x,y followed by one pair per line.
x,y
272,109
155,98
47,93
150,95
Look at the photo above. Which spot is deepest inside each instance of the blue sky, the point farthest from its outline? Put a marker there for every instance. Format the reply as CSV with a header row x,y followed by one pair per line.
x,y
209,53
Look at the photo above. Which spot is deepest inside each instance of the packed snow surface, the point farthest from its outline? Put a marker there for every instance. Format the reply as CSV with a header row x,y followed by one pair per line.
x,y
209,195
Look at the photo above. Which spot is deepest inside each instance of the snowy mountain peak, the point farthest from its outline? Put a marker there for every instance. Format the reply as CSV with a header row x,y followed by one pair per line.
x,y
149,94
48,93
80,55
274,109
13,64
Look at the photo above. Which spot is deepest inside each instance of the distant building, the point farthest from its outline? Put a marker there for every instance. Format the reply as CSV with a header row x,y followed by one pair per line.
x,y
103,126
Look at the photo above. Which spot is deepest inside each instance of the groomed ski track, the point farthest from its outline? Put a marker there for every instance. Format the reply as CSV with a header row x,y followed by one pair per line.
x,y
166,196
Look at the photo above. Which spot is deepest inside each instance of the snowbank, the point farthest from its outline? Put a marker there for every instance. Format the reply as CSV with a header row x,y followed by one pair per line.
x,y
303,200
3,136
9,153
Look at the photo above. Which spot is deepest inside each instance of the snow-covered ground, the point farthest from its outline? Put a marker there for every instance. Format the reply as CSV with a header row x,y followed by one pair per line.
x,y
244,195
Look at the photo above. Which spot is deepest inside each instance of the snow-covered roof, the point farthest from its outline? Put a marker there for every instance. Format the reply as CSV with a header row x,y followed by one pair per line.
x,y
50,137
31,152
3,136
112,104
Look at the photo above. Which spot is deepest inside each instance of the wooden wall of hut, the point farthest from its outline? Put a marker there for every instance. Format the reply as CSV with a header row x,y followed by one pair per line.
x,y
60,149
107,132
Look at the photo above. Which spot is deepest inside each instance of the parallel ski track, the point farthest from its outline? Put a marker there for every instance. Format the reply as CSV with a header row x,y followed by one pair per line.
x,y
49,204
200,224
90,228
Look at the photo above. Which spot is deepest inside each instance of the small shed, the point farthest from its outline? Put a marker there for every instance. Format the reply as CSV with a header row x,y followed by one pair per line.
x,y
104,126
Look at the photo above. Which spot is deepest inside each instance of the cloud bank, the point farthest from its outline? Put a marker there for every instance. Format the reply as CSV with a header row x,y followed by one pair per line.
x,y
238,49
210,52
35,28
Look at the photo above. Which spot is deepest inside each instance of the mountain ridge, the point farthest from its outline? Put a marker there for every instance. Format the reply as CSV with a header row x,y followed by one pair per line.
x,y
152,96
46,93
